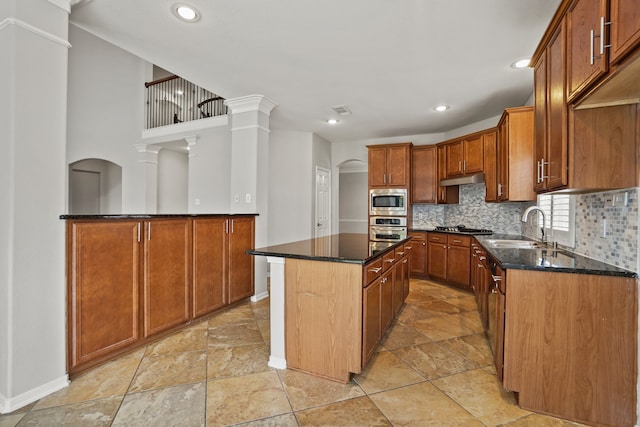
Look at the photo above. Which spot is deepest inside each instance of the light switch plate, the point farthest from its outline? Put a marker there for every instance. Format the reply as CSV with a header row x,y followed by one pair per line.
x,y
620,199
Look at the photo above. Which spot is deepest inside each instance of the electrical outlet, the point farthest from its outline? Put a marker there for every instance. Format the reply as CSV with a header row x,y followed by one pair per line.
x,y
196,202
236,198
620,199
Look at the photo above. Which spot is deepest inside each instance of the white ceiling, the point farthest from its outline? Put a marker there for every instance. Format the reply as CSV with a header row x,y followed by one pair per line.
x,y
389,61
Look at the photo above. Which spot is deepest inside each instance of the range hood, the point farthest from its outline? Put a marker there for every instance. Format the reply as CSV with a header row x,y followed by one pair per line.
x,y
462,180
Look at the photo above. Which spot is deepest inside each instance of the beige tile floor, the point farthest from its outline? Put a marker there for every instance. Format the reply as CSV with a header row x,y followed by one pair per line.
x,y
434,367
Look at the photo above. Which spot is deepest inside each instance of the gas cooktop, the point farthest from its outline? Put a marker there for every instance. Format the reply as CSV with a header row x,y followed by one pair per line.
x,y
463,229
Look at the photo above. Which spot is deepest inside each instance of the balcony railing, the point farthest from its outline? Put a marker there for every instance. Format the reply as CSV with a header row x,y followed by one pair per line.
x,y
175,100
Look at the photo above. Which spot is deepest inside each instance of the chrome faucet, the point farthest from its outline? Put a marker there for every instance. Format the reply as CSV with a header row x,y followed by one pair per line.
x,y
525,216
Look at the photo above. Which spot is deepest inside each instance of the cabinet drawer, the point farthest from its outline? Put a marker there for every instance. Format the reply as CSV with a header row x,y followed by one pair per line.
x,y
460,241
388,260
437,237
372,271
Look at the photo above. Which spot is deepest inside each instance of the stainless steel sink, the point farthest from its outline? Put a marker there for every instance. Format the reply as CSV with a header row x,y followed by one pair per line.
x,y
513,244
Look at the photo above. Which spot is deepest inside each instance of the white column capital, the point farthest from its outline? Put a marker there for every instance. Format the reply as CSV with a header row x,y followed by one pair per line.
x,y
63,4
191,140
147,148
250,103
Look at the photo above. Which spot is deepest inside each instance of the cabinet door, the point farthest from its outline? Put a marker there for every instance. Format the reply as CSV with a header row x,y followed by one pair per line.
x,y
398,161
424,171
241,270
437,264
455,158
386,299
625,28
377,166
406,263
585,62
442,173
103,276
503,160
209,265
167,261
458,265
370,319
473,155
555,169
490,167
418,253
540,119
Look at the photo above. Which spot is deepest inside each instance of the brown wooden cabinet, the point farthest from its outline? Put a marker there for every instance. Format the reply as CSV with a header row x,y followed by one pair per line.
x,y
515,155
103,261
418,253
458,260
166,274
579,360
586,61
550,165
490,142
241,266
149,277
371,321
449,194
465,156
437,255
390,165
624,28
210,258
424,174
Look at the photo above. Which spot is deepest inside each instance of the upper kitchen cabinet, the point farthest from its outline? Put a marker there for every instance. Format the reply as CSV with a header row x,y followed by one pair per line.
x,y
424,174
515,155
490,166
587,59
550,114
449,194
465,156
389,165
624,28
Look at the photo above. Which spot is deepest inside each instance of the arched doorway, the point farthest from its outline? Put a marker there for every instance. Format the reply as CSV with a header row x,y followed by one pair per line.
x,y
95,187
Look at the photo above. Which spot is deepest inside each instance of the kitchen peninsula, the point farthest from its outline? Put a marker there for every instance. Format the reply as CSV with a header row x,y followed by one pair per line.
x,y
332,300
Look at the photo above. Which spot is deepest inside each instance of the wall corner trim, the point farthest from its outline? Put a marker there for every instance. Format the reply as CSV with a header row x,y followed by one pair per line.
x,y
8,405
62,4
35,30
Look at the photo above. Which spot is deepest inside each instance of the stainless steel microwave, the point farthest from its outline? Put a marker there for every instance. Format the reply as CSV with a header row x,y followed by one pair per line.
x,y
388,201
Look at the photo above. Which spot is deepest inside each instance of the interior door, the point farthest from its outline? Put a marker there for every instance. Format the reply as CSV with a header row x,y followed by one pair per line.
x,y
323,202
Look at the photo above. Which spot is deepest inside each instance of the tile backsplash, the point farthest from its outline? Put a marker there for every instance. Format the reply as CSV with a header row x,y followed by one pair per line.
x,y
473,212
619,247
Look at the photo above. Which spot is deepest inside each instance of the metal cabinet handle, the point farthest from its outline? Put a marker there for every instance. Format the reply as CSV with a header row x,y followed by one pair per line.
x,y
405,261
464,165
226,226
499,189
138,232
457,241
149,230
375,270
482,258
232,226
390,260
602,45
496,278
591,54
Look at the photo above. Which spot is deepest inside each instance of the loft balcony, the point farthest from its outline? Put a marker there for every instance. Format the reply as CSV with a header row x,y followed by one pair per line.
x,y
175,100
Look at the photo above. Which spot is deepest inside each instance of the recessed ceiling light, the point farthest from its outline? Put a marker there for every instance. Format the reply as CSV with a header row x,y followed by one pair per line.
x,y
186,12
441,108
522,63
332,121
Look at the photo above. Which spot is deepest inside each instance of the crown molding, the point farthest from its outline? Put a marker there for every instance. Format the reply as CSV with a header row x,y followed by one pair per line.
x,y
248,103
62,4
35,30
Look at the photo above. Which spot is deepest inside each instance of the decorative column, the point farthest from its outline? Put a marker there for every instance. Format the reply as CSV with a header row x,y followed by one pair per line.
x,y
249,118
148,157
33,122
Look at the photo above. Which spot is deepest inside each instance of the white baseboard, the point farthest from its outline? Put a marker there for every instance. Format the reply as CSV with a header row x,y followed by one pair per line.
x,y
259,297
8,405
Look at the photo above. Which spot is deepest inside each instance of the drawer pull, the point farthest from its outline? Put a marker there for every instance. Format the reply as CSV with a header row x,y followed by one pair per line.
x,y
496,278
390,260
457,241
375,270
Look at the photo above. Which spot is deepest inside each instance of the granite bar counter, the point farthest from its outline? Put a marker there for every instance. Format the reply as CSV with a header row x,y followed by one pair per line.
x,y
316,300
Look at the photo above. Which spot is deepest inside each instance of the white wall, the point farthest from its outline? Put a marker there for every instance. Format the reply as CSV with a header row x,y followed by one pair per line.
x,y
106,110
33,81
173,181
290,178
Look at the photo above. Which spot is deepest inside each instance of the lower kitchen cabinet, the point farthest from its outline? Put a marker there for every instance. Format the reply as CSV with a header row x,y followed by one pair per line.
x,y
449,258
570,345
418,253
103,280
130,281
167,274
209,265
241,267
371,319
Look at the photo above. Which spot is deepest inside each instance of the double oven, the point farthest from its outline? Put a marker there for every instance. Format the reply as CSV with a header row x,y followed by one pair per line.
x,y
388,214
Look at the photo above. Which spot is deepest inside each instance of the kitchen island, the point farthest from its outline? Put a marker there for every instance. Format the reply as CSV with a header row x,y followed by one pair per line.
x,y
332,299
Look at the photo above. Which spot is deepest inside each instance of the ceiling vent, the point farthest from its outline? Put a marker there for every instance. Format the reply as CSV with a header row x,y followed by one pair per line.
x,y
341,109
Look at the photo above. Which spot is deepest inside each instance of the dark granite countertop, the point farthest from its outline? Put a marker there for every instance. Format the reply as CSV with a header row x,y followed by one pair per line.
x,y
152,216
345,247
547,259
